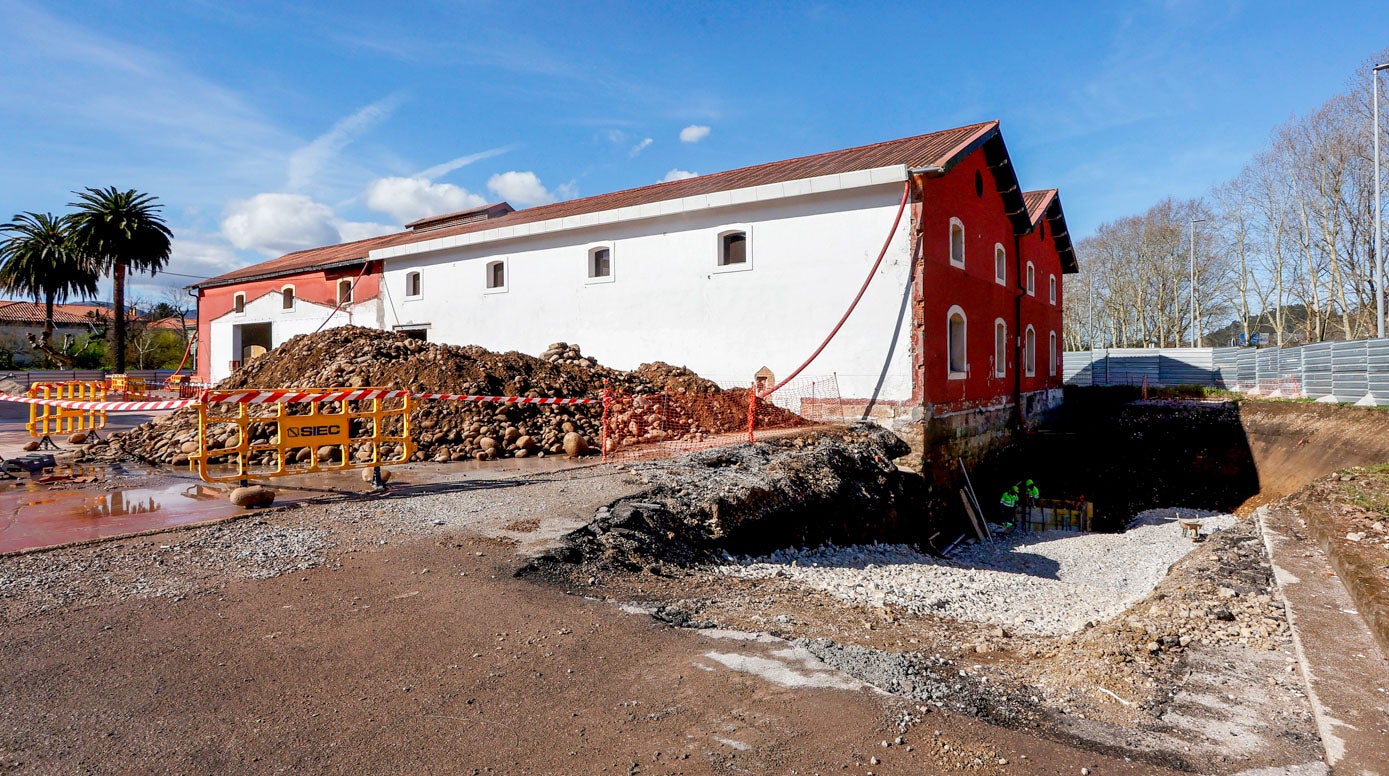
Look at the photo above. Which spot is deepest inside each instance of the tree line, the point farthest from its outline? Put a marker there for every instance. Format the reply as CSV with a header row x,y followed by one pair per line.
x,y
50,258
1281,253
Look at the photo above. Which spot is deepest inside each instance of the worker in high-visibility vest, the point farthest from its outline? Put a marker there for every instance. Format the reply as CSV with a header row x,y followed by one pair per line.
x,y
1031,489
1008,505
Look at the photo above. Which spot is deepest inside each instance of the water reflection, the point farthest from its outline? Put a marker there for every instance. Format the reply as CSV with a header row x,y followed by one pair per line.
x,y
119,503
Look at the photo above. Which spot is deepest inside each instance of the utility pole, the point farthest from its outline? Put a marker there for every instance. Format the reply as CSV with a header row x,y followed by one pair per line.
x,y
1379,257
1195,314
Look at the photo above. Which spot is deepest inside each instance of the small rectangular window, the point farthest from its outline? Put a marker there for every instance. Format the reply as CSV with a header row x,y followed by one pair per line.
x,y
287,298
344,292
239,303
1053,289
733,249
1031,280
957,243
600,263
496,275
412,284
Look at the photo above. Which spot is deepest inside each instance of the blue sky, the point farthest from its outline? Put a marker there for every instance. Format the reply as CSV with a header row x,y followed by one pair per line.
x,y
265,129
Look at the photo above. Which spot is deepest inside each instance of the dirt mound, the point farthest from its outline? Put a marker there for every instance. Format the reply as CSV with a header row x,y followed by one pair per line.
x,y
353,357
820,485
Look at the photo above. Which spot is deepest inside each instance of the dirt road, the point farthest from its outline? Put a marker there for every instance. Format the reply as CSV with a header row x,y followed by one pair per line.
x,y
386,637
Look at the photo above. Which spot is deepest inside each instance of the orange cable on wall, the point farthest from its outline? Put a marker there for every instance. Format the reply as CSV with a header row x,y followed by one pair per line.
x,y
906,193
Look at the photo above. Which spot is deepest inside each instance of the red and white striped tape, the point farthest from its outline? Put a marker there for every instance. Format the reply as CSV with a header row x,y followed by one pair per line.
x,y
503,399
104,406
287,397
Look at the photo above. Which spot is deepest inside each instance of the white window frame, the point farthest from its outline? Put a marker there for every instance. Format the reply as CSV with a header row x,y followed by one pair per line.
x,y
589,278
1000,263
964,344
1031,279
950,243
1000,348
1051,363
746,265
487,276
239,303
1053,289
345,298
415,273
1029,352
287,294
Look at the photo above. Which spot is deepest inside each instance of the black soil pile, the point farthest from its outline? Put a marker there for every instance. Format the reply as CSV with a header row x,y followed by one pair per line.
x,y
823,485
355,357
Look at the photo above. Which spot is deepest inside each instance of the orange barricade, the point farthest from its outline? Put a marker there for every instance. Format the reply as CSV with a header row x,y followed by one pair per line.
x,y
46,420
239,440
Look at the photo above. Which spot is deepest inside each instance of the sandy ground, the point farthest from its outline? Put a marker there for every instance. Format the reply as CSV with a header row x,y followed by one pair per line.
x,y
390,635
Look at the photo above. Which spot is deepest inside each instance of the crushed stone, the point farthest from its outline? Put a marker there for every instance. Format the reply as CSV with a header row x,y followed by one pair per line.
x,y
1048,583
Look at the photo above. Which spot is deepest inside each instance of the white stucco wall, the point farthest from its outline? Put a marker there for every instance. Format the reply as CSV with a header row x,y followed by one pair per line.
x,y
668,300
304,318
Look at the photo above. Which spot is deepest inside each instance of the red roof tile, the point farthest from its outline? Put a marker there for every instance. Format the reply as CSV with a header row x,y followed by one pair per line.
x,y
937,149
1037,202
30,312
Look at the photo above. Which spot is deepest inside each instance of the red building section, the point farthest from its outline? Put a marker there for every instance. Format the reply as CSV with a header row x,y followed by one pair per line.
x,y
988,285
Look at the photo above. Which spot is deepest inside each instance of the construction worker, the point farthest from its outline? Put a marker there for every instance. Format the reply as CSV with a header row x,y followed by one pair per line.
x,y
1031,489
1008,505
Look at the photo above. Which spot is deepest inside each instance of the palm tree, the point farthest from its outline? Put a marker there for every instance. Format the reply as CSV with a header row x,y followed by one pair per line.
x,y
121,231
38,259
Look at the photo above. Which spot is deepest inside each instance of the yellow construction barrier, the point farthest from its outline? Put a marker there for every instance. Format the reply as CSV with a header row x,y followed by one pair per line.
x,y
45,421
240,441
129,388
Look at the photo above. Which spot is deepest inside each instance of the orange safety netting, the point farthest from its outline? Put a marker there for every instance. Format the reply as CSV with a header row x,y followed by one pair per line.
x,y
636,426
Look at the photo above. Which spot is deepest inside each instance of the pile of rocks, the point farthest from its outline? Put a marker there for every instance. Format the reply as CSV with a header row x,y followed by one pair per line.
x,y
356,357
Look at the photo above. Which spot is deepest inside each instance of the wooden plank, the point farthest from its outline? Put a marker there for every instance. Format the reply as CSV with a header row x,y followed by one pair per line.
x,y
973,518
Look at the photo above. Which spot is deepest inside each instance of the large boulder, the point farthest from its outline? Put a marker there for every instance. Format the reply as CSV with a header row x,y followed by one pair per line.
x,y
253,496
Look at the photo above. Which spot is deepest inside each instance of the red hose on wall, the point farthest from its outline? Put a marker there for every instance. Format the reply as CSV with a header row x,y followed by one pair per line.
x,y
906,193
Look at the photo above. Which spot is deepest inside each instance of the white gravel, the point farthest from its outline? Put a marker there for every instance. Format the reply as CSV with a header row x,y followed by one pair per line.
x,y
1046,583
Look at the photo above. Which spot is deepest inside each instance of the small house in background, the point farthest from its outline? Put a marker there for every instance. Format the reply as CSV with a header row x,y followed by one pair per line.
x,y
733,274
19,319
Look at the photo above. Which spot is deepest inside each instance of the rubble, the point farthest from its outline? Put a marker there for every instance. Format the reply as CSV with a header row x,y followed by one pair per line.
x,y
354,357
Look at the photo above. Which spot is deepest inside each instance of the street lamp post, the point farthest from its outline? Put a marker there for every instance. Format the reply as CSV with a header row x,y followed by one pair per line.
x,y
1379,257
1195,315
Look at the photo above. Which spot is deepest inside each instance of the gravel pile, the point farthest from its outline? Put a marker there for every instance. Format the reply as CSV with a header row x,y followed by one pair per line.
x,y
1046,583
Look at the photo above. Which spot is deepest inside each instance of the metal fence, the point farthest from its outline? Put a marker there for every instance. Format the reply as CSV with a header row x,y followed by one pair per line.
x,y
1356,371
28,378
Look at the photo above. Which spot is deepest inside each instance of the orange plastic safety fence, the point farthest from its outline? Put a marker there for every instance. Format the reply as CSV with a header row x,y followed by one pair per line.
x,y
637,426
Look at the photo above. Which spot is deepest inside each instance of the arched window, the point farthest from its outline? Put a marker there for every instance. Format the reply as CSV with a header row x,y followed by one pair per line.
x,y
957,243
412,284
1029,352
496,275
1000,264
287,298
1053,289
733,249
1051,370
1000,348
344,291
1031,280
239,303
955,343
600,263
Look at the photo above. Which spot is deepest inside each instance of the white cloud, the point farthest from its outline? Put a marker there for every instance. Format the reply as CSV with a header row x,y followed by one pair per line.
x,y
305,163
678,175
521,189
276,223
406,199
694,133
639,147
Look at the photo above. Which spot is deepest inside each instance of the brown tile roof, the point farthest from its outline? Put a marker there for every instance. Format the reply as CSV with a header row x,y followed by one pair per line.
x,y
1047,203
30,312
1037,202
937,149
